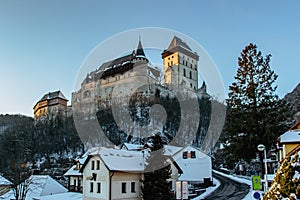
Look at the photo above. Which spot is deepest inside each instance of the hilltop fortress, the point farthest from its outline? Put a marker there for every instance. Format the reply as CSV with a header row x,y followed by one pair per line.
x,y
180,65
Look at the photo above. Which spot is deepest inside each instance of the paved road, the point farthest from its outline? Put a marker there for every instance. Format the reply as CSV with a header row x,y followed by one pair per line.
x,y
228,189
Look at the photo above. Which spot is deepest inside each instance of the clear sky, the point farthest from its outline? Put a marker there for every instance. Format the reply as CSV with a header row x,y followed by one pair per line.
x,y
44,43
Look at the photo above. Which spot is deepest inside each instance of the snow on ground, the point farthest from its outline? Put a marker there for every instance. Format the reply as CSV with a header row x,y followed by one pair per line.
x,y
209,190
63,196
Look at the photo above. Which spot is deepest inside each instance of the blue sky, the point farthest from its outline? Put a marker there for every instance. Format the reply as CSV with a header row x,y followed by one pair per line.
x,y
44,43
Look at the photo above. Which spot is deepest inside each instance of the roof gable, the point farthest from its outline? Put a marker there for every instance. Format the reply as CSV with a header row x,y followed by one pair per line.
x,y
176,41
118,160
53,95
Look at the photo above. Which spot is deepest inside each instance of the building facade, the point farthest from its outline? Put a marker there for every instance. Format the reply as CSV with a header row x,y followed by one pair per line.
x,y
51,104
289,142
116,174
180,65
114,79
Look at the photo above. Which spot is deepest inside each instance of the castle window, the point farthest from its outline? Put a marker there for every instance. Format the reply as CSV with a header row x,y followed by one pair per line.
x,y
87,94
191,85
184,72
190,74
171,63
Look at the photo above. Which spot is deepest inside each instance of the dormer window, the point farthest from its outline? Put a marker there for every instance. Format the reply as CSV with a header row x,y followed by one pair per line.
x,y
185,155
193,154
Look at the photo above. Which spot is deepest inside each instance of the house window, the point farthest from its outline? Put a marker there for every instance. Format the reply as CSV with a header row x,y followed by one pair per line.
x,y
79,183
132,187
171,63
185,155
98,187
91,187
98,165
184,72
93,165
123,187
75,182
193,154
190,74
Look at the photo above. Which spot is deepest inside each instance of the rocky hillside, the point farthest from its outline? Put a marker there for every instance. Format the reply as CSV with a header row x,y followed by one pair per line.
x,y
293,99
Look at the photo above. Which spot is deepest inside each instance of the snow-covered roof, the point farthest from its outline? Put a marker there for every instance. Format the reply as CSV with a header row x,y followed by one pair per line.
x,y
171,150
44,185
39,185
82,160
4,181
64,196
132,147
120,160
73,171
291,136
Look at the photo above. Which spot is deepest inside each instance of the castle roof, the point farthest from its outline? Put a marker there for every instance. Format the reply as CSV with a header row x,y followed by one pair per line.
x,y
53,95
140,50
176,41
178,45
118,65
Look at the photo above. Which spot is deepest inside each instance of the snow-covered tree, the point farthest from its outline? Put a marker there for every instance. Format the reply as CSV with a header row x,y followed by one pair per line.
x,y
286,184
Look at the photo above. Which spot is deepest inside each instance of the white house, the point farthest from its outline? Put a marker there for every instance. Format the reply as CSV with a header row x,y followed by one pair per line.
x,y
196,166
115,174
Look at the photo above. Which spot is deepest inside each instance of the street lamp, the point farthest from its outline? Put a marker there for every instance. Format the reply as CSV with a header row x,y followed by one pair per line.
x,y
262,147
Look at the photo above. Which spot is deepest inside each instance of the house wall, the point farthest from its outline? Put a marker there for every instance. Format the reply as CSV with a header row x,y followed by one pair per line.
x,y
102,177
287,148
120,177
174,176
194,169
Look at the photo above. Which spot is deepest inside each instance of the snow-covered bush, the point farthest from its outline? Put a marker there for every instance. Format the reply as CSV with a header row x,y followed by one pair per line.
x,y
286,184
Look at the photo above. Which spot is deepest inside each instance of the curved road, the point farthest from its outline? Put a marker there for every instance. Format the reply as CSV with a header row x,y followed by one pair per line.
x,y
228,189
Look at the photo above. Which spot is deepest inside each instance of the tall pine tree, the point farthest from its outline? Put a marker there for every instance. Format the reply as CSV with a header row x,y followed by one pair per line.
x,y
255,113
155,184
